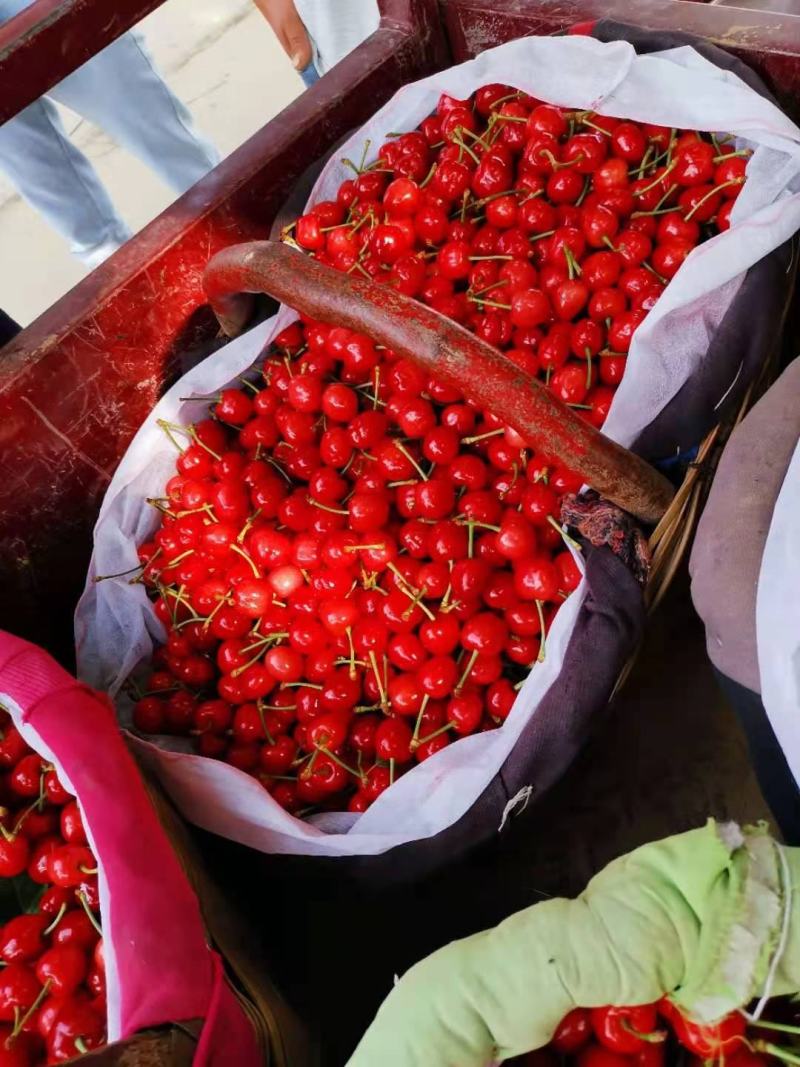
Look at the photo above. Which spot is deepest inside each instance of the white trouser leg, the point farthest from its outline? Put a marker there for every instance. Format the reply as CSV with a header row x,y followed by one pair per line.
x,y
121,91
60,182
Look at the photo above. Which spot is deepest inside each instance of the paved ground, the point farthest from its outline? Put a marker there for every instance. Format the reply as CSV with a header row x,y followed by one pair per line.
x,y
222,59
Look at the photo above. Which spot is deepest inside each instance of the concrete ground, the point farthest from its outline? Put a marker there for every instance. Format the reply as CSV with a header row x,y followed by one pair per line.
x,y
222,59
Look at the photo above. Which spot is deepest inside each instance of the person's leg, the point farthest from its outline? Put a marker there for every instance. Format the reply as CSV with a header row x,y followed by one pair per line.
x,y
60,183
120,90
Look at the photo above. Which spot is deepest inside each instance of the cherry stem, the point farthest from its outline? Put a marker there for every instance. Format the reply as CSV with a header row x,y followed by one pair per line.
x,y
20,1022
488,288
168,428
489,303
556,164
713,192
325,507
783,1028
36,804
402,448
480,259
263,721
456,139
588,353
338,761
655,181
732,155
442,729
655,273
245,530
56,921
381,691
645,160
241,552
652,1036
593,125
81,1045
563,534
428,176
274,463
483,436
477,137
573,267
502,99
414,596
415,739
121,574
352,657
542,638
504,192
470,664
777,1051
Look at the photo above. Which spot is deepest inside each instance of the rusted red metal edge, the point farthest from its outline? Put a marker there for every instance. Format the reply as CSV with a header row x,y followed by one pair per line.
x,y
443,348
51,38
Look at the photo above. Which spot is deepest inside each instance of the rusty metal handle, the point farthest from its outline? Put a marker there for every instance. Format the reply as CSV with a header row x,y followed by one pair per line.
x,y
445,350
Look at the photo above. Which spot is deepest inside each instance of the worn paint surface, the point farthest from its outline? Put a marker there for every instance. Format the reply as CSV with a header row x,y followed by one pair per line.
x,y
51,38
443,348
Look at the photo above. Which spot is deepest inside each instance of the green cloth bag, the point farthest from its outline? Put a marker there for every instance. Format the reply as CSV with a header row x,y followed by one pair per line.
x,y
706,916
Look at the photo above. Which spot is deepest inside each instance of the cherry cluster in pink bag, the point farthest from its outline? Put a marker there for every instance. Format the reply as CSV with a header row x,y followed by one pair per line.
x,y
159,967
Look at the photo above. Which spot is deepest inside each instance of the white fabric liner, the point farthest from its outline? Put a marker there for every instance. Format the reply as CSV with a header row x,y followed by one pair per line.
x,y
778,618
115,624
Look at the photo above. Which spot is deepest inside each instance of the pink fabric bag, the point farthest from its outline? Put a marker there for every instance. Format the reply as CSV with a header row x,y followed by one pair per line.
x,y
159,967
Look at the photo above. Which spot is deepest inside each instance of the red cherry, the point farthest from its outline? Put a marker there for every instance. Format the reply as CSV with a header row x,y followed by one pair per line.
x,y
393,741
64,966
438,676
19,989
76,928
75,1022
484,632
465,712
529,307
15,853
22,938
68,865
536,579
629,142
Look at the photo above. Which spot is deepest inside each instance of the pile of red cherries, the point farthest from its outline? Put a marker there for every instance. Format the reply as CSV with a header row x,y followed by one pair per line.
x,y
652,1035
356,565
52,978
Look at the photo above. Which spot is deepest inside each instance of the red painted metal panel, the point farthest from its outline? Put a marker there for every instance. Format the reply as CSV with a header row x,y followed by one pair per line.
x,y
76,384
768,41
51,38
